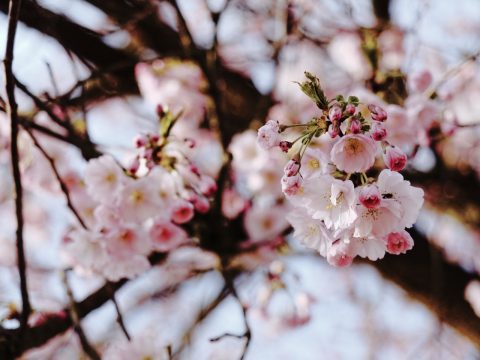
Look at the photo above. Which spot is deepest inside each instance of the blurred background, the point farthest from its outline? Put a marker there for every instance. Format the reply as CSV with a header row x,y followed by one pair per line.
x,y
418,58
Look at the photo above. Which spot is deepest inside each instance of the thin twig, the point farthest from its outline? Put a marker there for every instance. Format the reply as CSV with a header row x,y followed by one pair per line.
x,y
63,187
120,318
200,317
13,14
42,106
87,347
247,335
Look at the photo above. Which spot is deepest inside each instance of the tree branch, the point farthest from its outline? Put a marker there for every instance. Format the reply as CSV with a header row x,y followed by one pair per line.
x,y
13,15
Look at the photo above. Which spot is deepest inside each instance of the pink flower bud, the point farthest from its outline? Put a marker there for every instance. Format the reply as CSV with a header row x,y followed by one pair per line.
x,y
399,242
135,164
378,114
207,185
201,204
291,184
140,141
292,168
335,113
334,130
285,145
419,82
378,132
394,158
355,126
370,196
182,212
350,109
154,138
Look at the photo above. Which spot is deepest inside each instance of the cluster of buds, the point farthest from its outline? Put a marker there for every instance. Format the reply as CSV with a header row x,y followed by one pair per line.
x,y
340,209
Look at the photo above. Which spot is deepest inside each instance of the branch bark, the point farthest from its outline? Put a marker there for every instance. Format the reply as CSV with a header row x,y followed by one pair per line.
x,y
13,15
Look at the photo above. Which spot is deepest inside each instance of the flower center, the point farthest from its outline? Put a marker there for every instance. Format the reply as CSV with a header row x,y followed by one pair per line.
x,y
353,147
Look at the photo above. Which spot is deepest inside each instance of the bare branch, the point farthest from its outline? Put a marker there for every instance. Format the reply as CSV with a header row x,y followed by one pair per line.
x,y
87,347
13,15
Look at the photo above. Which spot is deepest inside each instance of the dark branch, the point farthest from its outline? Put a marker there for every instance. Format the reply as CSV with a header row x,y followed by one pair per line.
x,y
13,14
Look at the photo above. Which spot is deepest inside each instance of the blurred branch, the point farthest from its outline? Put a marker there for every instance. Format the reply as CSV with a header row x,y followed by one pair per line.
x,y
63,187
87,347
13,15
120,318
417,273
11,347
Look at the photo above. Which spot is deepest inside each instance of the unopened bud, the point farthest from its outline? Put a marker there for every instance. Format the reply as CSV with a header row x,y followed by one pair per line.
x,y
394,158
378,114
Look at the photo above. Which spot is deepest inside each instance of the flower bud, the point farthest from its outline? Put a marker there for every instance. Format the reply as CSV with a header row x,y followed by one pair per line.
x,y
201,204
291,184
285,145
379,132
140,141
377,113
334,129
399,242
207,185
350,109
335,113
182,212
394,158
370,196
355,126
269,135
292,168
134,165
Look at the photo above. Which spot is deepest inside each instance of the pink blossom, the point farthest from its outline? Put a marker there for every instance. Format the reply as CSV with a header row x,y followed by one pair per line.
x,y
182,211
264,224
395,188
339,254
310,232
378,221
269,135
136,201
370,247
123,242
166,236
127,267
103,178
291,168
232,203
378,131
394,158
377,113
316,161
354,153
420,81
369,196
399,242
331,200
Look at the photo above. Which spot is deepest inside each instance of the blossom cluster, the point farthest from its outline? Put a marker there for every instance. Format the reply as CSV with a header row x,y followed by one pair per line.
x,y
139,210
344,205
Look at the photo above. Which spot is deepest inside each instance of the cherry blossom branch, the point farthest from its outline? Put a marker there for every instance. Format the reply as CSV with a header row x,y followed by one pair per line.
x,y
63,187
87,347
12,112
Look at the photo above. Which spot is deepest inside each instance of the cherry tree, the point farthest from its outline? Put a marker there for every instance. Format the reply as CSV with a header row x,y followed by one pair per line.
x,y
196,178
